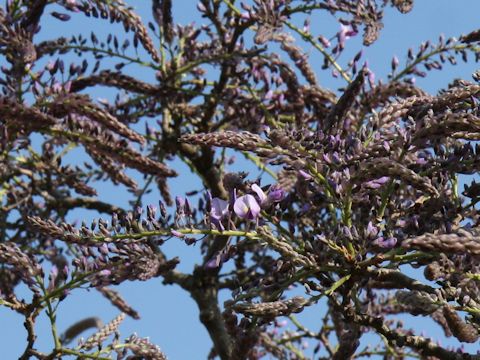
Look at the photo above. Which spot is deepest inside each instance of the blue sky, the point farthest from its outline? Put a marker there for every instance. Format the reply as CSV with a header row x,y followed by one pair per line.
x,y
169,316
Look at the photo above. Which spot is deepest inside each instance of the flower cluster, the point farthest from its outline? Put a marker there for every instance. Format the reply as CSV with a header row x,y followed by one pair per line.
x,y
246,206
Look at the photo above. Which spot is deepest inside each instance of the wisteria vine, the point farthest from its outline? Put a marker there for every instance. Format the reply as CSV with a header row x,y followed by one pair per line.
x,y
354,185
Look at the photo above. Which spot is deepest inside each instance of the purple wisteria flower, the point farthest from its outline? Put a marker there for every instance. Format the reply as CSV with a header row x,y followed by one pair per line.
x,y
246,207
275,194
377,183
305,175
372,230
260,193
217,259
387,243
214,262
177,233
219,209
180,203
345,33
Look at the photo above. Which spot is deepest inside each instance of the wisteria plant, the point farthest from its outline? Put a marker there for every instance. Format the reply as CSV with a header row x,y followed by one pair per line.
x,y
350,191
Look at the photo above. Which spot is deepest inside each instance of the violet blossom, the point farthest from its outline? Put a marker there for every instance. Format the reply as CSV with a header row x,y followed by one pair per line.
x,y
371,230
377,183
261,195
387,243
275,194
180,203
246,207
345,33
305,175
218,211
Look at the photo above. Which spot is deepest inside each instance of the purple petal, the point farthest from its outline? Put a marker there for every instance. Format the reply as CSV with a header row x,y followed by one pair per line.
x,y
219,209
180,202
325,42
395,62
214,262
201,7
177,233
105,272
305,175
377,183
372,230
388,243
246,207
275,194
261,195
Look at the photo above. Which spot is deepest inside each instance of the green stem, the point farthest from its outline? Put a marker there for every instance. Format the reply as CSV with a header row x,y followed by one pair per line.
x,y
309,38
232,7
167,232
337,284
112,54
82,355
411,66
51,313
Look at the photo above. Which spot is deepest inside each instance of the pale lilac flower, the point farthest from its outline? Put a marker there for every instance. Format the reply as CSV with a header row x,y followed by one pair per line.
x,y
177,233
105,272
325,42
282,323
388,243
245,15
326,158
260,193
395,62
201,7
67,86
180,202
306,26
345,33
103,249
57,87
214,262
371,78
372,230
217,259
52,278
219,209
188,207
275,194
269,95
246,207
377,183
305,175
386,145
